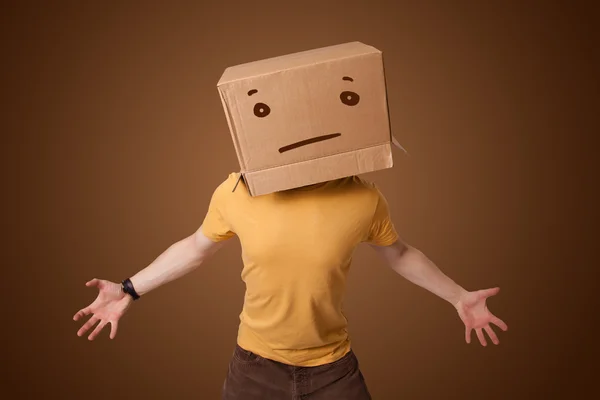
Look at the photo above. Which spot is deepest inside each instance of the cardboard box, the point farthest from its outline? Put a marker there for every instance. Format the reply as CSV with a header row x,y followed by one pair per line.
x,y
308,117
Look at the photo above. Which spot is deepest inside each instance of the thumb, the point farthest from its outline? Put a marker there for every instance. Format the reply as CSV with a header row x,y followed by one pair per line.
x,y
93,282
485,293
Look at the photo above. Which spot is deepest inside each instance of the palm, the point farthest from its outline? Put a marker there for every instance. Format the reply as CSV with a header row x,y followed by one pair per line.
x,y
474,313
109,306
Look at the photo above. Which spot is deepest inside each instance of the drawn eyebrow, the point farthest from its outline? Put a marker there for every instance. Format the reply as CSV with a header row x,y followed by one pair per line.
x,y
251,92
347,78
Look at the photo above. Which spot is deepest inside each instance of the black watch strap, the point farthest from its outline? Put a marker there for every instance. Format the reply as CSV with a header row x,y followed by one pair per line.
x,y
127,287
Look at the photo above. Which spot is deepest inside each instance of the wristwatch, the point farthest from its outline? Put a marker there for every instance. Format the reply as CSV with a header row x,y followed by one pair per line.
x,y
127,287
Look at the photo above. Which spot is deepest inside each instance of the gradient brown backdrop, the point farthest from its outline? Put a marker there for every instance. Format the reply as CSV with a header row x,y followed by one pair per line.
x,y
115,138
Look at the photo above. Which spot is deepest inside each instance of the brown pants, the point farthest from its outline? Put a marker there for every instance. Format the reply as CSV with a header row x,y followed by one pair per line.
x,y
252,377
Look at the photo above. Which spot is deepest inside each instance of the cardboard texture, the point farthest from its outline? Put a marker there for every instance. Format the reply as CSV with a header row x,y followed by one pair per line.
x,y
308,117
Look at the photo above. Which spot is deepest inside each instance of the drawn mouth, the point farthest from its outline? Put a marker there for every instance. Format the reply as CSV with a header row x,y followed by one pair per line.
x,y
308,141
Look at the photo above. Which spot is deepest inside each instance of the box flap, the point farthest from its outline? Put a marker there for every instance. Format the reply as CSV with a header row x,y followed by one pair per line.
x,y
320,170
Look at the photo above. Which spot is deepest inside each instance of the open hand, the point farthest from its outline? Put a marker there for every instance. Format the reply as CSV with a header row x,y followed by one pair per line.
x,y
474,313
109,307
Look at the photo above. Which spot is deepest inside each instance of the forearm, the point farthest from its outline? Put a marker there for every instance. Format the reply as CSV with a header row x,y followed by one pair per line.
x,y
178,260
414,266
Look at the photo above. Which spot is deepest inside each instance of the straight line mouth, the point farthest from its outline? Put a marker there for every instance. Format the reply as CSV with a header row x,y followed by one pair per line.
x,y
308,141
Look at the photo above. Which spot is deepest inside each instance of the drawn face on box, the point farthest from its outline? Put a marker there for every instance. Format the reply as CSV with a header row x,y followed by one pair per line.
x,y
310,112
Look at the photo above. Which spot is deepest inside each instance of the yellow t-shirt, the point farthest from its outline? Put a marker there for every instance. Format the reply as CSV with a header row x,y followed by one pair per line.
x,y
297,247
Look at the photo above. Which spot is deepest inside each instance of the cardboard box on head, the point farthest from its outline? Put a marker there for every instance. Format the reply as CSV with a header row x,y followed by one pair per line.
x,y
308,117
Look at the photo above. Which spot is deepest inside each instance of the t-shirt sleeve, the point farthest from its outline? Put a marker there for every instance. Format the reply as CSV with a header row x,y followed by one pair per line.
x,y
216,225
381,230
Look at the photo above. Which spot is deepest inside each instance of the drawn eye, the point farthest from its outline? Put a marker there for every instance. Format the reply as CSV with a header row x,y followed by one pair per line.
x,y
261,110
349,98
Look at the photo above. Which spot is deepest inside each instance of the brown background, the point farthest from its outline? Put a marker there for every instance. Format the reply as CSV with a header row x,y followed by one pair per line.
x,y
114,138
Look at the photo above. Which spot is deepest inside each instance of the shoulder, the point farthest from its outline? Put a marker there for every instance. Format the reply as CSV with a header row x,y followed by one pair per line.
x,y
377,201
231,187
365,185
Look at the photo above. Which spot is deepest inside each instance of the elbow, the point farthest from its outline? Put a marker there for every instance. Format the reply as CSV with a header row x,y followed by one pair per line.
x,y
402,260
410,253
402,249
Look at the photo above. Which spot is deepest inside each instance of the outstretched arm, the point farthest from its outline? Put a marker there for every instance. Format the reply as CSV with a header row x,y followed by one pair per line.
x,y
178,260
111,303
413,265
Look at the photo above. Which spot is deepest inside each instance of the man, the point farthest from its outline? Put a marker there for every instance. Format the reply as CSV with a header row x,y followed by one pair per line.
x,y
297,247
298,240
